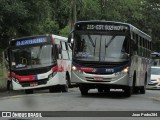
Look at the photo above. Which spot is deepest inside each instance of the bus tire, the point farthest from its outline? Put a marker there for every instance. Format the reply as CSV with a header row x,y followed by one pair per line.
x,y
64,88
83,89
68,82
135,89
143,88
29,91
128,91
51,89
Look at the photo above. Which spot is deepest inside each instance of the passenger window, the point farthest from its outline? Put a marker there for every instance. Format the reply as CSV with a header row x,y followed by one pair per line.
x,y
63,46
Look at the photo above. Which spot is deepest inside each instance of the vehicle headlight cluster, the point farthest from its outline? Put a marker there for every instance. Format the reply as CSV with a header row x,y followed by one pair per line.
x,y
124,71
51,75
16,80
74,68
158,79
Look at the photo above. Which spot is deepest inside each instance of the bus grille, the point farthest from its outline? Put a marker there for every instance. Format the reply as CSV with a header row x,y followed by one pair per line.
x,y
40,82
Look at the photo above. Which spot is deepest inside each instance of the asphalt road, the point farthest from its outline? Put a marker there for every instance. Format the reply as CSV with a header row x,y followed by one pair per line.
x,y
73,101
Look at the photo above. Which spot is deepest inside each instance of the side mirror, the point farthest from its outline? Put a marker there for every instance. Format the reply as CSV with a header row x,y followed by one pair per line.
x,y
70,36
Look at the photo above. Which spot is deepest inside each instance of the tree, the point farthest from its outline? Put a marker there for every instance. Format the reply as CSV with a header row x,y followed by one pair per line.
x,y
29,17
21,18
151,10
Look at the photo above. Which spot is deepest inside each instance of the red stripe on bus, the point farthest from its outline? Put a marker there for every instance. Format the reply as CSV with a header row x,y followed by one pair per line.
x,y
85,69
55,68
24,78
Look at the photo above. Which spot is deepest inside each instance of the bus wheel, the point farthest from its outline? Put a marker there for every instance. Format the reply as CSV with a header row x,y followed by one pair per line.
x,y
68,82
51,89
143,88
55,88
64,88
30,91
83,89
128,91
135,89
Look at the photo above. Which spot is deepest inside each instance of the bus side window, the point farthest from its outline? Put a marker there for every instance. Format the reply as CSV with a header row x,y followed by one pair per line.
x,y
59,51
125,47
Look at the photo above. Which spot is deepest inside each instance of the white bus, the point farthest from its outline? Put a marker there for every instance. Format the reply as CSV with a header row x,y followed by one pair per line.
x,y
40,61
110,55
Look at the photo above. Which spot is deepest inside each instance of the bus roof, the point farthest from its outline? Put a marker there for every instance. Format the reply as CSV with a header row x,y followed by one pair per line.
x,y
132,28
60,37
13,41
45,35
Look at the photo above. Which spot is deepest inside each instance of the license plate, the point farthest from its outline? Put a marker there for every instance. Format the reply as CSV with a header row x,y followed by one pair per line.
x,y
33,84
98,78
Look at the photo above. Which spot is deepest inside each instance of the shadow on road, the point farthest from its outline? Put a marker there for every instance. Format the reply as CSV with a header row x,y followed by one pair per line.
x,y
111,95
10,93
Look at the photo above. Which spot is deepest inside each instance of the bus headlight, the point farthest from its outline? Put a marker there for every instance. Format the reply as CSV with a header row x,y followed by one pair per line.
x,y
16,80
125,70
74,68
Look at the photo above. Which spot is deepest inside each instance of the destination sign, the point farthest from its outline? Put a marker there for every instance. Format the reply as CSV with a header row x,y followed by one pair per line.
x,y
104,27
30,41
101,27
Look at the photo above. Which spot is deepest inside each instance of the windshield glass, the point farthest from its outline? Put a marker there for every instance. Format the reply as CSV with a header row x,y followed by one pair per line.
x,y
32,57
155,71
105,48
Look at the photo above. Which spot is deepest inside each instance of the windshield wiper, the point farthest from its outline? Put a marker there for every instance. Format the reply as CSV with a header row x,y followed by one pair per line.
x,y
110,41
90,39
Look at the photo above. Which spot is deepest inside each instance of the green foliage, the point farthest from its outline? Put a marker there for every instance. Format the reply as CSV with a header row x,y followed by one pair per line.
x,y
89,10
27,17
21,18
65,31
49,27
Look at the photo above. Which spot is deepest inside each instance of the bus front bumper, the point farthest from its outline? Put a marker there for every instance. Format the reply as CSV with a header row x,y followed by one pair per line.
x,y
111,79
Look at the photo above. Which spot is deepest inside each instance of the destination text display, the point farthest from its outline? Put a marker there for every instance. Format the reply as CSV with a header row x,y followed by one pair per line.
x,y
30,41
101,27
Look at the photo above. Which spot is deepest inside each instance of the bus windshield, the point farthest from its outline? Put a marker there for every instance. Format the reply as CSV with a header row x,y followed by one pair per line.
x,y
32,57
101,47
